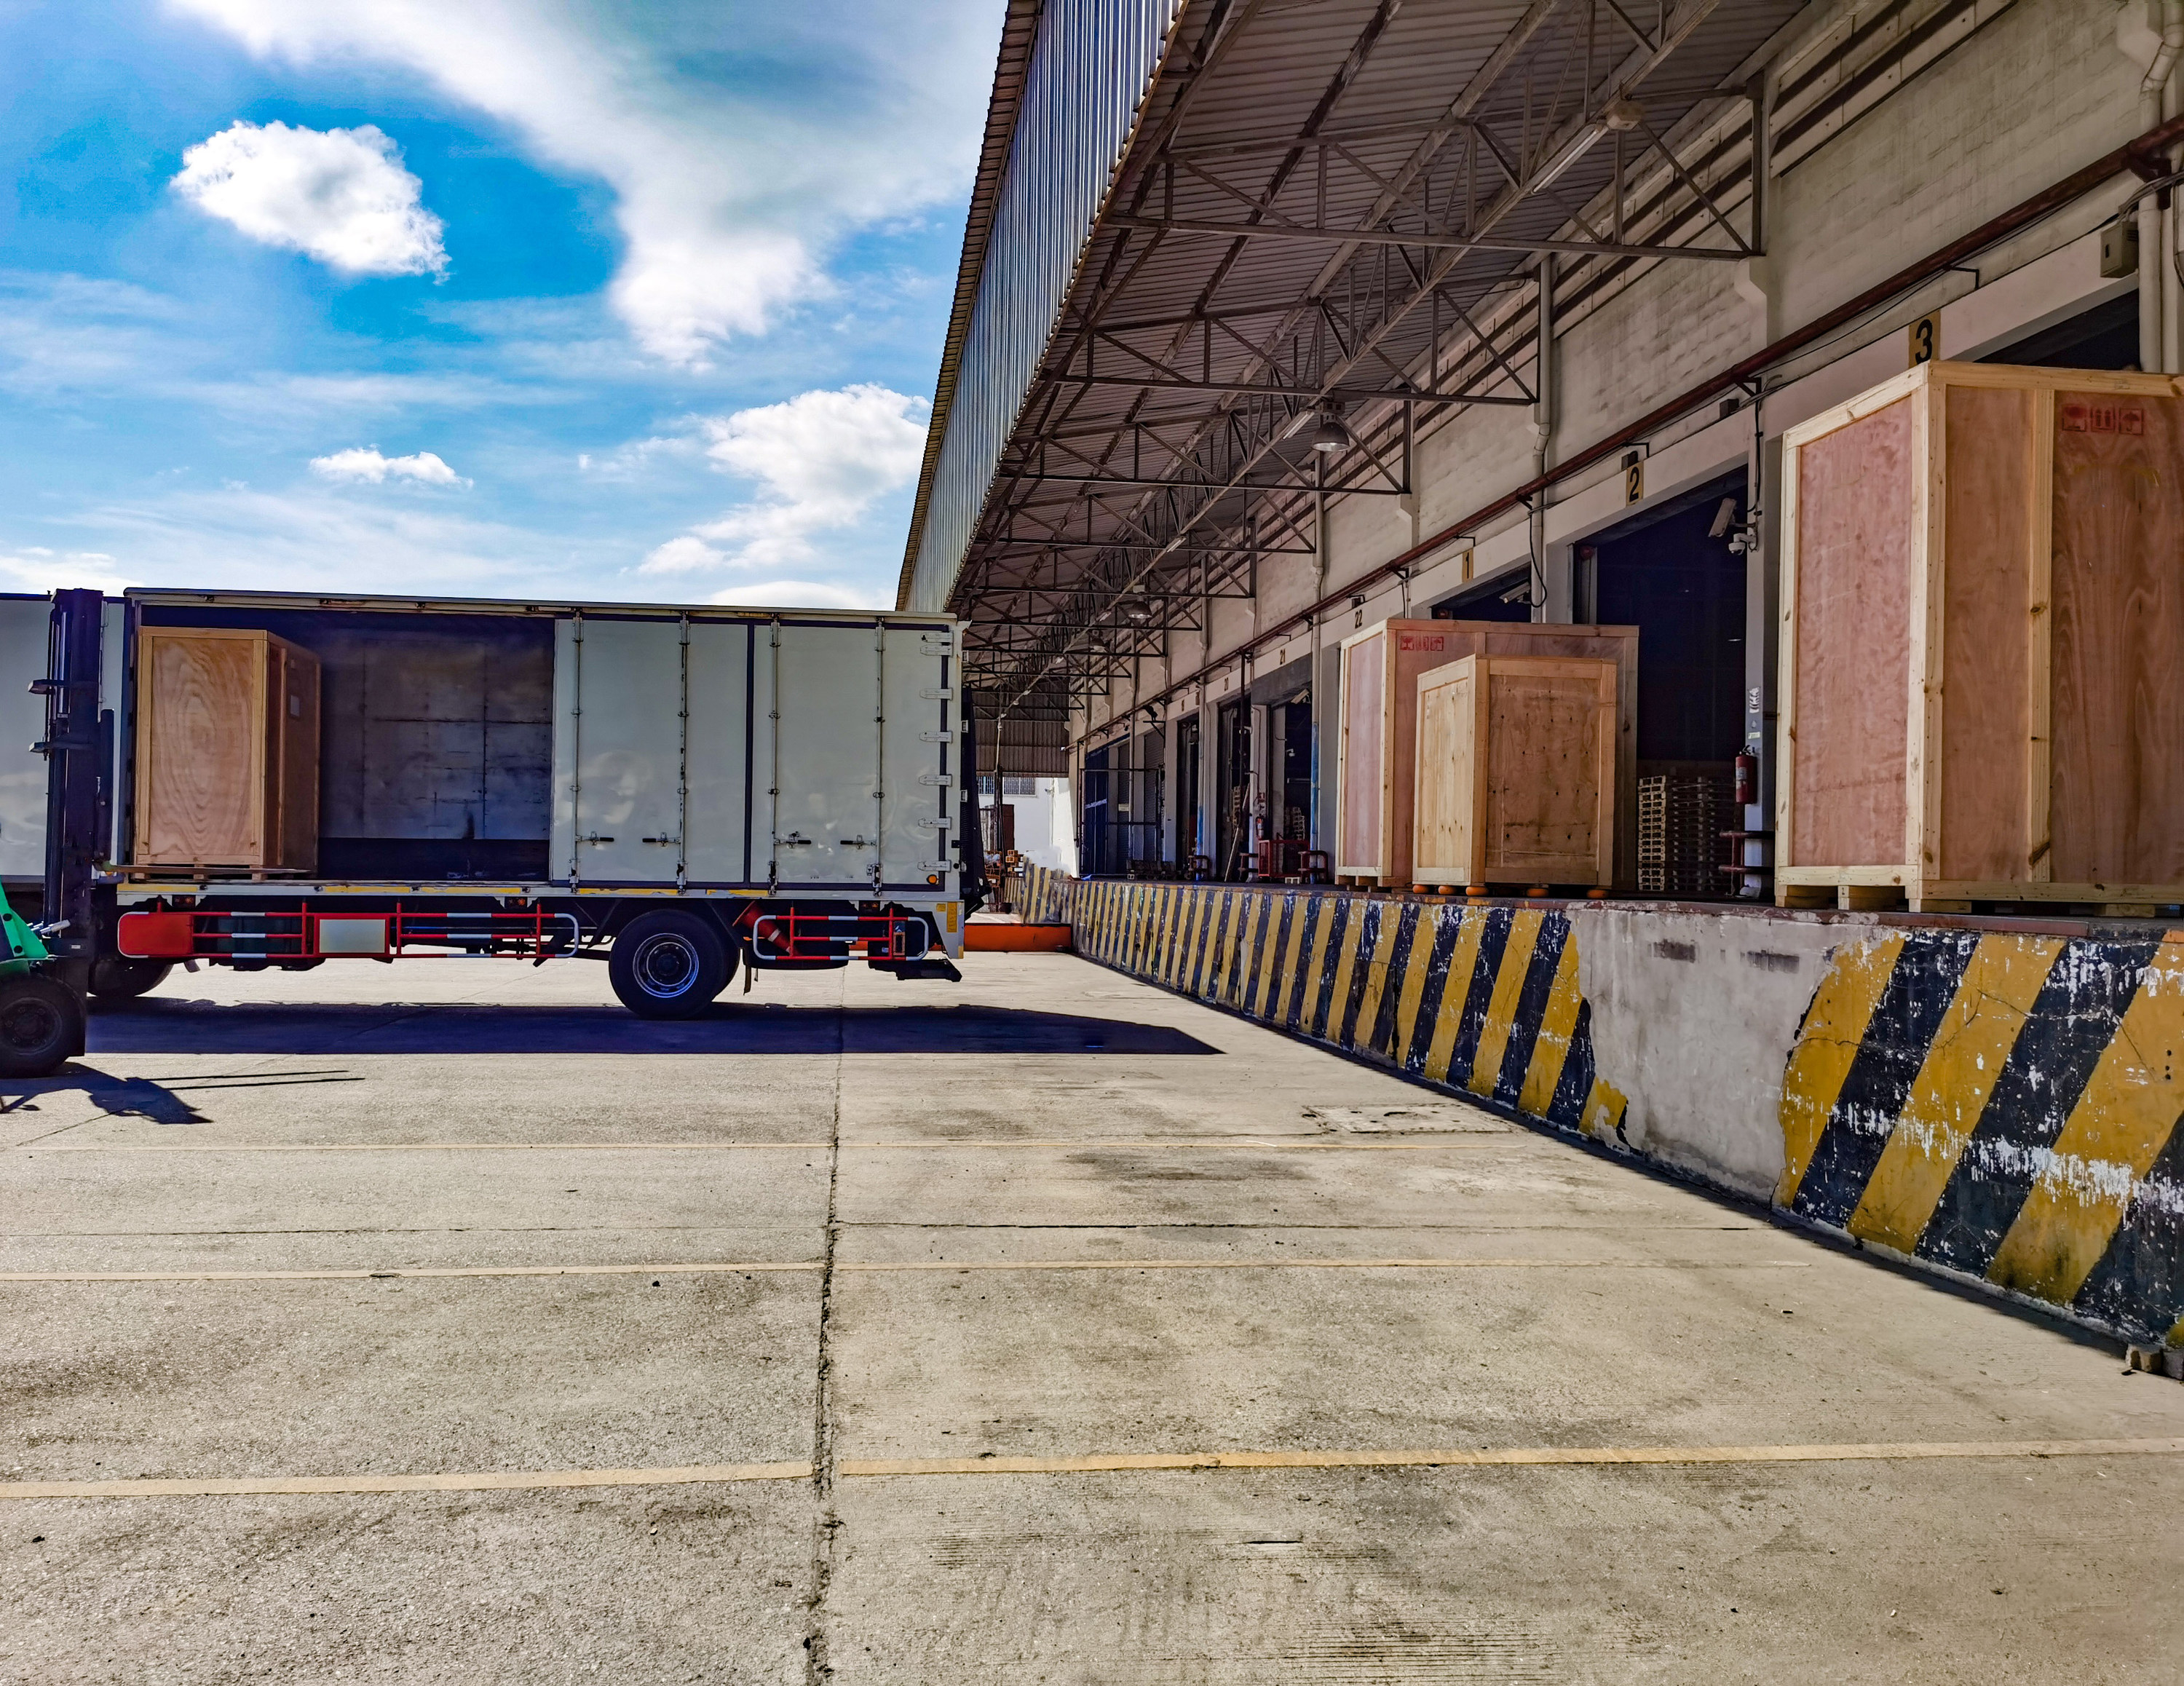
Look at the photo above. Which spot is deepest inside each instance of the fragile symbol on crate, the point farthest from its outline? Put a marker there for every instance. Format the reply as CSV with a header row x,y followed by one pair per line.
x,y
2101,416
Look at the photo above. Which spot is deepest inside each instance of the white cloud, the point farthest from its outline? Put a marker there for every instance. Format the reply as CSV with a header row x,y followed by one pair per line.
x,y
740,142
36,569
802,594
683,556
365,463
340,195
320,539
820,459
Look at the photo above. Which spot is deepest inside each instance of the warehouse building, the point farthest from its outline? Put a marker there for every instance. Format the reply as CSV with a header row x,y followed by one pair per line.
x,y
1277,321
1620,560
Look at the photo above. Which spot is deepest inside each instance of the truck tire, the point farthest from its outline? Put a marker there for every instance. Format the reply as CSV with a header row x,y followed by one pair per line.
x,y
669,965
115,978
41,1025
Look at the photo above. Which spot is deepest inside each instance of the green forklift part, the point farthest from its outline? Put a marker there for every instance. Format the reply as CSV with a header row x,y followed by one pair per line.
x,y
25,949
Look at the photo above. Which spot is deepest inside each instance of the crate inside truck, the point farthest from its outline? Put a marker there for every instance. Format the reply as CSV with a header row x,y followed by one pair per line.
x,y
264,781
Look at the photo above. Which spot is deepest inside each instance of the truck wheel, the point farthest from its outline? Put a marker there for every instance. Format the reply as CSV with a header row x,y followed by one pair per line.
x,y
114,977
41,1025
669,965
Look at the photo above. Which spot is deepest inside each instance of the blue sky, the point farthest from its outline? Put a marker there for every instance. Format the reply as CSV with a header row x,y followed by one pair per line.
x,y
521,297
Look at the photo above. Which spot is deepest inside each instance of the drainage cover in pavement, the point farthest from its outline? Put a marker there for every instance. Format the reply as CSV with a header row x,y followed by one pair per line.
x,y
1391,1119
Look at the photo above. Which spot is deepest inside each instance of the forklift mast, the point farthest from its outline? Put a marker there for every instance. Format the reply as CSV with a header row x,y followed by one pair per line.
x,y
78,748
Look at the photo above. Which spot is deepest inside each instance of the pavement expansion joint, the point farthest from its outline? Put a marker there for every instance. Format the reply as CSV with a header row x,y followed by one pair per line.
x,y
988,1464
887,1267
1004,1144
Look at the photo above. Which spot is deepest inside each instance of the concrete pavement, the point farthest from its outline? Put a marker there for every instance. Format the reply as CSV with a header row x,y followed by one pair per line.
x,y
1016,1235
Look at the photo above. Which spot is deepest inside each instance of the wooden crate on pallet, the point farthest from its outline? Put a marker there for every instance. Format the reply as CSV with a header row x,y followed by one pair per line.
x,y
1982,629
1376,770
228,750
1516,772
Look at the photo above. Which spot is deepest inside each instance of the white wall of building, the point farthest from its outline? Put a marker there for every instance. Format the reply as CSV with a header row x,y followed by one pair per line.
x,y
1047,825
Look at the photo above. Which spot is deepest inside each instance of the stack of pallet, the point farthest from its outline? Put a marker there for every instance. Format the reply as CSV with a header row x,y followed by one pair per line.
x,y
1682,812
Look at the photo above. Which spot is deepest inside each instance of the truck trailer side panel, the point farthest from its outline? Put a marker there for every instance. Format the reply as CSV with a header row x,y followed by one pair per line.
x,y
787,756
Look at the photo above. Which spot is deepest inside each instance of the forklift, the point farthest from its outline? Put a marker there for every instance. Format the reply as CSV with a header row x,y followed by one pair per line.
x,y
48,971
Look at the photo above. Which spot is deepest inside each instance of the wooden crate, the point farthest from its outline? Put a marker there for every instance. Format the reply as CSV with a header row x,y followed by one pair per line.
x,y
1982,626
1516,772
1375,775
228,750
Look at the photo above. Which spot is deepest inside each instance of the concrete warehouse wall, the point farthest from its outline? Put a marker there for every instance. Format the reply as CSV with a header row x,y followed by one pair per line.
x,y
2040,88
1995,1104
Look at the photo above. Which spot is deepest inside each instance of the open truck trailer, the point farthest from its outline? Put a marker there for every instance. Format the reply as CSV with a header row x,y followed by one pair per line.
x,y
271,781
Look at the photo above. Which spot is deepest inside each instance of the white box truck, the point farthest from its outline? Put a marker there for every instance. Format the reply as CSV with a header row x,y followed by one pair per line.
x,y
683,791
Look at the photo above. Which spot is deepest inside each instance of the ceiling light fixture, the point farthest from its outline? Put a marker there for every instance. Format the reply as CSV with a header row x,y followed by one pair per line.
x,y
1617,116
1331,436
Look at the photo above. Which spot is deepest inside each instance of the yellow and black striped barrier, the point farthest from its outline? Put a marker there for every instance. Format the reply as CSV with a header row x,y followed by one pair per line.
x,y
1483,1000
2004,1107
1999,1105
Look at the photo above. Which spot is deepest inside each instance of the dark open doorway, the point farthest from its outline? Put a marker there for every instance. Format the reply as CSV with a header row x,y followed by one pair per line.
x,y
1189,839
1232,774
1672,574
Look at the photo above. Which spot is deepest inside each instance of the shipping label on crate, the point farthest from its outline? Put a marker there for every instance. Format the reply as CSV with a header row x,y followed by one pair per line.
x,y
2101,416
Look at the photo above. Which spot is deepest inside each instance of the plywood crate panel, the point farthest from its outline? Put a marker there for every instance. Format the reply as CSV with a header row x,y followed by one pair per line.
x,y
1983,624
228,750
1376,773
1516,772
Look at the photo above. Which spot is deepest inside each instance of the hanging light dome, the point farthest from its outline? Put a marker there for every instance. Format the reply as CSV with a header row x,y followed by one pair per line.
x,y
1331,436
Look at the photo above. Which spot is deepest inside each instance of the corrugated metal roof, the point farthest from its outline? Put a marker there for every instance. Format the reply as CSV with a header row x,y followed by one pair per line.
x,y
1089,65
1144,387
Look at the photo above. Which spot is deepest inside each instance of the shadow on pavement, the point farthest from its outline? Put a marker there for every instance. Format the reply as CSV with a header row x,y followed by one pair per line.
x,y
151,1026
164,1103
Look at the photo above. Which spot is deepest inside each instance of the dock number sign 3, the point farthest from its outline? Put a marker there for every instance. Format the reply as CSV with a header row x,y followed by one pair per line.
x,y
1926,339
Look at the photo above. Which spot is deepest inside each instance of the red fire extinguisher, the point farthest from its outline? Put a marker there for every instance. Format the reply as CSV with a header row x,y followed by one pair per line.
x,y
1747,778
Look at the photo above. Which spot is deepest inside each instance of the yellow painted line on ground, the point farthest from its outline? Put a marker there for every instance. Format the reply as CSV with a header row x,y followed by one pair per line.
x,y
1488,1457
1521,1456
484,1480
1965,1056
890,1267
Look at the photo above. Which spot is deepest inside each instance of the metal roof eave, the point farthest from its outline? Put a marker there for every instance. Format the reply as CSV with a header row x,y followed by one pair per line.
x,y
1019,34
